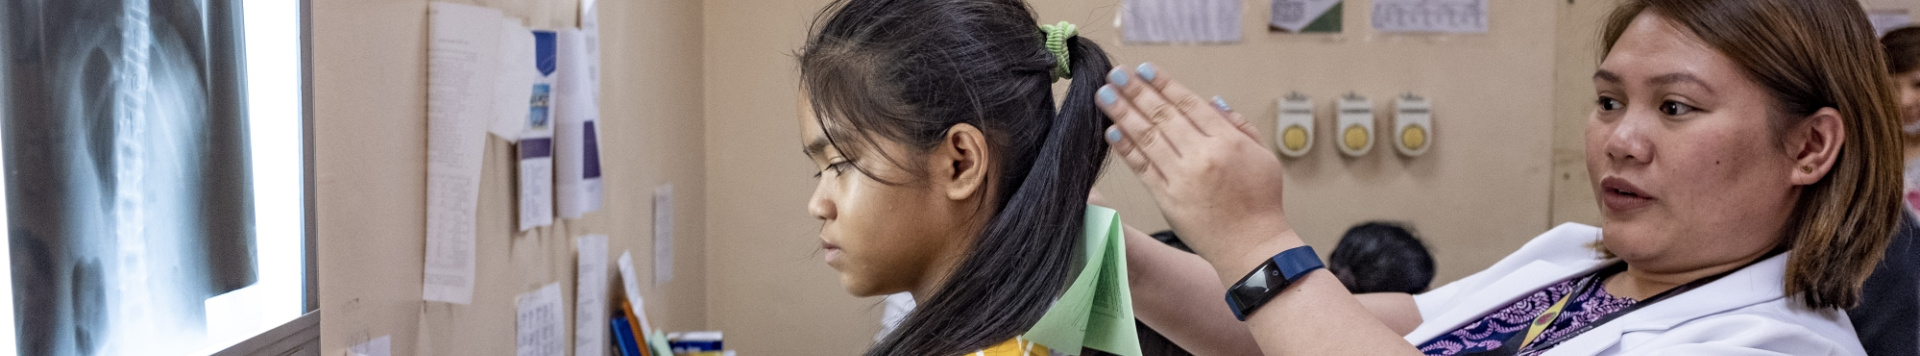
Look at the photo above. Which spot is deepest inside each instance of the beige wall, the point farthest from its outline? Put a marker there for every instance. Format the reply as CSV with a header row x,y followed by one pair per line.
x,y
1577,55
369,60
770,292
1482,190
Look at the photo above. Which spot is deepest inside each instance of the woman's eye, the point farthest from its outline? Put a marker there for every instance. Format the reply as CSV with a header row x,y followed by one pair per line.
x,y
1608,104
1674,108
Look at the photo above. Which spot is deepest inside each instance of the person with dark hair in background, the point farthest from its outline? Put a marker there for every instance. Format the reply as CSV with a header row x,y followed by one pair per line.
x,y
1380,256
1903,62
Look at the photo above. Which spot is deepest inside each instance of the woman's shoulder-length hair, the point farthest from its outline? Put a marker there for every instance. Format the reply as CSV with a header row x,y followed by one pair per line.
x,y
1812,54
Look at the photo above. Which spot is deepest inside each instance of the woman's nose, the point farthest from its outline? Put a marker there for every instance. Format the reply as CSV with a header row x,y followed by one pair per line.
x,y
1628,141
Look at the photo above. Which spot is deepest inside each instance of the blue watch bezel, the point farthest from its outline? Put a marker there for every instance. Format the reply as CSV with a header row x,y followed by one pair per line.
x,y
1269,279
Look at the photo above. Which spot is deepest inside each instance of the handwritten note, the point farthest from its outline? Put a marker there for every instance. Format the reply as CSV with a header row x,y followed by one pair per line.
x,y
542,323
461,60
590,307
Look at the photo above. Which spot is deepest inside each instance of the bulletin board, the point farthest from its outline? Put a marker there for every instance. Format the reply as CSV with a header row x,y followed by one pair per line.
x,y
370,99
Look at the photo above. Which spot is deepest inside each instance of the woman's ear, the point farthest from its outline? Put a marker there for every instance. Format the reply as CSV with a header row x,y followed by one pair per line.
x,y
960,162
1815,146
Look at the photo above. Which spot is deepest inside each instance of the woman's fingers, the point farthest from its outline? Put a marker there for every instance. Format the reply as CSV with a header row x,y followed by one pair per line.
x,y
1137,161
1198,110
1168,118
1235,119
1137,141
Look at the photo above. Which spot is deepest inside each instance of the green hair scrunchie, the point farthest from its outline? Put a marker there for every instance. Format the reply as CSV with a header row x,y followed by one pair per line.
x,y
1057,35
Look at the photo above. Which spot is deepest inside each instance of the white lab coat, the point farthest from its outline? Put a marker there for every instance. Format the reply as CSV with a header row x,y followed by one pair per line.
x,y
1743,313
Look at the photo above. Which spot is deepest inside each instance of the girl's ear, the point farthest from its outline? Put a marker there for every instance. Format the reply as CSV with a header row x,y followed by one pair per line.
x,y
960,162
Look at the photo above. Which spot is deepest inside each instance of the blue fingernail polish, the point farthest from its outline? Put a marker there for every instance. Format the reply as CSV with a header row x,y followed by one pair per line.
x,y
1117,77
1221,103
1146,71
1107,95
1113,135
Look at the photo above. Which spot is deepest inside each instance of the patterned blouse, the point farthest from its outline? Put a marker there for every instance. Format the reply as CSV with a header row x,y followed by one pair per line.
x,y
1495,333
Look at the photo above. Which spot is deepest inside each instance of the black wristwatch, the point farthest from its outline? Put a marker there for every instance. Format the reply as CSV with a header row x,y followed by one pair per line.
x,y
1273,276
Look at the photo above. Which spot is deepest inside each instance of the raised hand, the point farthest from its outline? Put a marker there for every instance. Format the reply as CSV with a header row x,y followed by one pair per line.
x,y
1216,184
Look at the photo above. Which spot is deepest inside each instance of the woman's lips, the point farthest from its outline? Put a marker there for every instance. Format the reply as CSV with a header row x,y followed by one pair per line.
x,y
1620,196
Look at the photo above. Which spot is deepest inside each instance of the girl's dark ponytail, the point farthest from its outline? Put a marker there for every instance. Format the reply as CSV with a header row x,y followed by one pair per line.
x,y
907,70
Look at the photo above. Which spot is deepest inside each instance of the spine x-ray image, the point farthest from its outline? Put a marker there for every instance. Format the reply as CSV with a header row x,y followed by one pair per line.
x,y
127,178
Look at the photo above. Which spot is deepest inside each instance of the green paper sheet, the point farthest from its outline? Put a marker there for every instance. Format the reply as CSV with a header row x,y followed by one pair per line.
x,y
1096,312
657,343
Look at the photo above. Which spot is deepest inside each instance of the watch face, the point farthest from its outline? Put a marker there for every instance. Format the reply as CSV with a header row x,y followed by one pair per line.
x,y
1270,278
1257,286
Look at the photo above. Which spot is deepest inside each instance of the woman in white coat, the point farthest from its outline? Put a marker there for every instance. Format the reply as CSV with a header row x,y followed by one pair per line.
x,y
1746,154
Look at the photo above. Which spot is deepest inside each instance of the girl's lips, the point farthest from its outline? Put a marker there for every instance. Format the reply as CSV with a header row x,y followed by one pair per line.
x,y
833,251
1620,196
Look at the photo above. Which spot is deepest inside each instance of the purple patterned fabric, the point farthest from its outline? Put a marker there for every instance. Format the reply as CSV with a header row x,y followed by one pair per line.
x,y
1494,330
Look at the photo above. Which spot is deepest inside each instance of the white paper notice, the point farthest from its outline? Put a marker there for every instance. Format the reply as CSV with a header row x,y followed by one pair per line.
x,y
590,27
381,346
542,323
1174,21
590,307
536,141
513,82
631,282
662,235
461,60
1445,16
577,148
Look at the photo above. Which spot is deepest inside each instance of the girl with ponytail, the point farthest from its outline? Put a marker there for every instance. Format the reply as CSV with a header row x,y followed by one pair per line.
x,y
947,167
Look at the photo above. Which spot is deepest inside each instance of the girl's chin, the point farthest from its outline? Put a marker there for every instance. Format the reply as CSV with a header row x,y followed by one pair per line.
x,y
858,288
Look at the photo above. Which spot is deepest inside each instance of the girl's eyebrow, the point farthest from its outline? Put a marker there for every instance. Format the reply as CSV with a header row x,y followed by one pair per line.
x,y
816,147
